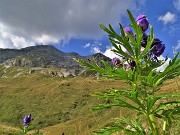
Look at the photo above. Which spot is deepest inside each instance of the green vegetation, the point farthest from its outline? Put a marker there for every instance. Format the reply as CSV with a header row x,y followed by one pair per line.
x,y
60,104
154,111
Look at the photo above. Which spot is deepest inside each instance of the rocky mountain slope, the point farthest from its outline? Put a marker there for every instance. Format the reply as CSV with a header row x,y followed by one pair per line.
x,y
46,56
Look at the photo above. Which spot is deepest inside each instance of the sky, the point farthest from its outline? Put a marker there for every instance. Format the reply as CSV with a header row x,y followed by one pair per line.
x,y
73,25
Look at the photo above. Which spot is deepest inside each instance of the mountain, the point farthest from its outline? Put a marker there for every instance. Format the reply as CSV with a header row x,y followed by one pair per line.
x,y
46,56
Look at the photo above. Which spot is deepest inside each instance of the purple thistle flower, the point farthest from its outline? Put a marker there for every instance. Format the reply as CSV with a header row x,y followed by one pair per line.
x,y
127,30
27,120
158,48
143,22
116,62
156,41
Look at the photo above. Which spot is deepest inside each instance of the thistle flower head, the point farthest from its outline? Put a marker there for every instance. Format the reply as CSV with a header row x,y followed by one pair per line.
x,y
143,22
27,120
158,48
116,62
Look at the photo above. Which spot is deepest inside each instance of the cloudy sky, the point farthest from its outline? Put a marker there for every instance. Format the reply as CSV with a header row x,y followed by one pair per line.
x,y
72,25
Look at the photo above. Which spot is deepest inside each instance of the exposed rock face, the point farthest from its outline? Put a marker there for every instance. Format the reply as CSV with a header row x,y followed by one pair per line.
x,y
47,56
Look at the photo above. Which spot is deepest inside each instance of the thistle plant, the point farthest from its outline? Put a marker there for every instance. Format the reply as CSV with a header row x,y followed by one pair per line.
x,y
28,126
154,111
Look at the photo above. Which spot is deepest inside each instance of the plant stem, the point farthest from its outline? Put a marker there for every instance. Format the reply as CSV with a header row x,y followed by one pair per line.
x,y
152,124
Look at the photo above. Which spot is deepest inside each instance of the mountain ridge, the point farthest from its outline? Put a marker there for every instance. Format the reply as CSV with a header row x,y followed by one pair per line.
x,y
43,54
47,56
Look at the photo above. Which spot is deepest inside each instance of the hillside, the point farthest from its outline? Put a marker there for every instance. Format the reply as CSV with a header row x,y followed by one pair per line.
x,y
60,104
46,82
52,100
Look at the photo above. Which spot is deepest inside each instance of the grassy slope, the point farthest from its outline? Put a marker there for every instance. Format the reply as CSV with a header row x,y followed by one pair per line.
x,y
59,105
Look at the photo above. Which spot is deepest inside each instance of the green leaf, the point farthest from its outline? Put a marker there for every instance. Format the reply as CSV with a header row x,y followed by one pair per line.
x,y
162,106
118,50
138,31
132,18
115,73
149,43
149,80
120,102
105,29
133,96
115,41
131,39
108,130
172,69
134,126
110,27
151,100
126,43
106,65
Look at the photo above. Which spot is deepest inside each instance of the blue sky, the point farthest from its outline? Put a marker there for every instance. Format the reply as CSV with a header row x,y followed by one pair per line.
x,y
72,25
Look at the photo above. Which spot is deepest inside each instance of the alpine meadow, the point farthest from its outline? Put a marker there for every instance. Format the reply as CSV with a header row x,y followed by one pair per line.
x,y
45,91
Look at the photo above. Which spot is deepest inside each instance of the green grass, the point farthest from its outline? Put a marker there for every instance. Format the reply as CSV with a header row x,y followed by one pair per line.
x,y
60,105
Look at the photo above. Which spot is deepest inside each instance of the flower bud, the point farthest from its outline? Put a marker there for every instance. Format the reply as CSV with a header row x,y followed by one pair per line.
x,y
143,22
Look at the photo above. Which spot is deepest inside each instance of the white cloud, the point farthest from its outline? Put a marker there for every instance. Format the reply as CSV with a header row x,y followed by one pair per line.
x,y
50,21
109,53
176,4
95,50
87,45
168,18
174,29
95,47
20,42
162,67
9,40
45,39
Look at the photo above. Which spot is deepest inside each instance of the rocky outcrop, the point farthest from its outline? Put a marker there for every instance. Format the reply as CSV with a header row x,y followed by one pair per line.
x,y
18,62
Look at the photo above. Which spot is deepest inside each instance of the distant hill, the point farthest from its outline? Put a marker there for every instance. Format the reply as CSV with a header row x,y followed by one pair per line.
x,y
46,56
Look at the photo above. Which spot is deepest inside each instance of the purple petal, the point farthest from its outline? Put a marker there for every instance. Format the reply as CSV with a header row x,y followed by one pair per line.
x,y
127,30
